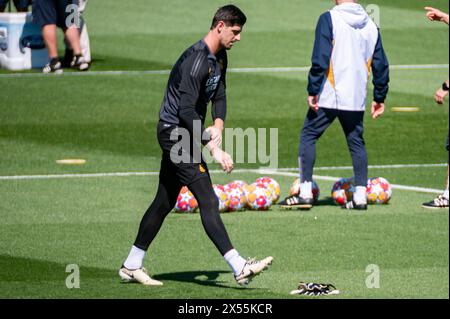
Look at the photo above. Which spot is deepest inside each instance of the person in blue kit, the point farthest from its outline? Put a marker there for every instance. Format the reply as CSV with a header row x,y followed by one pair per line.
x,y
347,49
21,5
197,78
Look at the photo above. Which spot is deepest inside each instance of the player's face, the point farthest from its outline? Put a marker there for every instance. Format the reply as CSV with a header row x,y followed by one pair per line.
x,y
229,35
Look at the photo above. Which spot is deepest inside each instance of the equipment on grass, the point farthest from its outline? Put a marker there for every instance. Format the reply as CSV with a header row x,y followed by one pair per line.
x,y
379,191
342,191
222,196
236,197
258,197
313,289
295,189
272,185
186,202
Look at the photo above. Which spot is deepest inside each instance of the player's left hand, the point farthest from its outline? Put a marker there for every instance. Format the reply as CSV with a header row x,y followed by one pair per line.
x,y
377,109
440,95
216,135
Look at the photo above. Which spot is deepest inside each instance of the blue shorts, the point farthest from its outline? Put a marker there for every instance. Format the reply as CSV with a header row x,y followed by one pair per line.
x,y
19,4
47,12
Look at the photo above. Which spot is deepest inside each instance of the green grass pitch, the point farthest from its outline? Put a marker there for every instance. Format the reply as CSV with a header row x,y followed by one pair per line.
x,y
109,120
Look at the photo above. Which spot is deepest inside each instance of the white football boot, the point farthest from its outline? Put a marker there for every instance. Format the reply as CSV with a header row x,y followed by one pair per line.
x,y
251,269
138,275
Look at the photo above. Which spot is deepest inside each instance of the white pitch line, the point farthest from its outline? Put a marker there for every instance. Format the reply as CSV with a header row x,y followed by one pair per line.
x,y
335,179
344,168
231,70
256,171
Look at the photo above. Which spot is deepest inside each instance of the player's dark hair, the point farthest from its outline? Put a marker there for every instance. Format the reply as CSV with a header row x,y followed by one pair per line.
x,y
230,15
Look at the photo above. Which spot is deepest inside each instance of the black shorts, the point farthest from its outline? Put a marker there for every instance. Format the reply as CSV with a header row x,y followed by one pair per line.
x,y
47,12
19,4
188,168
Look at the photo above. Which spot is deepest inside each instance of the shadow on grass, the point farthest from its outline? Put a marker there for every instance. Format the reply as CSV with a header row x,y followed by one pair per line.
x,y
19,269
34,270
204,278
328,201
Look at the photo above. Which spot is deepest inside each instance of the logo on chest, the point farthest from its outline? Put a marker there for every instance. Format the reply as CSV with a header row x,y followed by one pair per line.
x,y
212,83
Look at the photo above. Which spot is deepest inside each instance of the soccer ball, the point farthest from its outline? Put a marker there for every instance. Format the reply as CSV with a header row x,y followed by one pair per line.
x,y
222,196
236,197
258,196
237,183
379,191
342,191
272,185
295,189
186,202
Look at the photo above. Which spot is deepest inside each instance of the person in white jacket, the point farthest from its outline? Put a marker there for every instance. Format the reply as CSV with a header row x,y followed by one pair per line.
x,y
347,49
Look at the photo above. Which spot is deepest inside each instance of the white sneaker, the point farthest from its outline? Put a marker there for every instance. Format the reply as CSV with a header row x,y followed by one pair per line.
x,y
251,269
138,275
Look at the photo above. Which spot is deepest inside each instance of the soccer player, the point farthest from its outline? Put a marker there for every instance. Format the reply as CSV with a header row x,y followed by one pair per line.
x,y
50,14
440,201
347,47
197,78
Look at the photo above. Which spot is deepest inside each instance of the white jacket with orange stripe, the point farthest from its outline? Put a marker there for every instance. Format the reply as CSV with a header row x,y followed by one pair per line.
x,y
348,46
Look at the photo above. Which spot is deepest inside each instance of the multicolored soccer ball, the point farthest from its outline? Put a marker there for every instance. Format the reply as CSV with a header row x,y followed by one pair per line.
x,y
186,202
272,185
222,196
295,189
236,197
258,196
342,191
379,191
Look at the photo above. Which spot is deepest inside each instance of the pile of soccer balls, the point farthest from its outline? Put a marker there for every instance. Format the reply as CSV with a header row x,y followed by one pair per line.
x,y
235,196
379,191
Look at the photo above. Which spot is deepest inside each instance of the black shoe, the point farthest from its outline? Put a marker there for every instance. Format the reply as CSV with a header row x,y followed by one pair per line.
x,y
54,66
68,57
79,64
296,202
437,203
353,205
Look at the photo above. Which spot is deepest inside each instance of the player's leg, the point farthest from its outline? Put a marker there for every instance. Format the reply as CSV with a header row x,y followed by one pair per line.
x,y
3,4
69,20
314,126
353,126
44,14
21,5
244,270
441,201
165,199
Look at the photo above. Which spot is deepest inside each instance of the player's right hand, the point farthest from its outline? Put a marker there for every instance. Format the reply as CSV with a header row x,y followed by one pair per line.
x,y
313,102
222,157
434,14
440,95
377,109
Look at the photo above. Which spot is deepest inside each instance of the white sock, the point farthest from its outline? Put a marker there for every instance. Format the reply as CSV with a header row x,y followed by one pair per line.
x,y
306,190
235,261
135,258
360,195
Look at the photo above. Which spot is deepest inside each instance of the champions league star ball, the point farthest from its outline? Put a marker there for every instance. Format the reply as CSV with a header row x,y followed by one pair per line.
x,y
236,197
222,196
295,189
379,191
186,202
258,196
272,185
342,191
